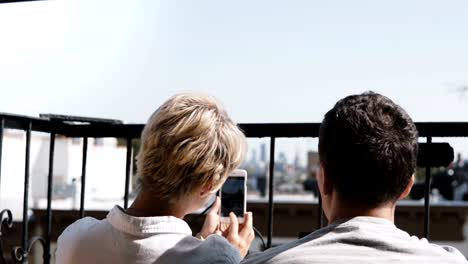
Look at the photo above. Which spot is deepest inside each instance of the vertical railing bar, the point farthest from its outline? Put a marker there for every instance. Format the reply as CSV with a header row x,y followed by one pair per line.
x,y
128,168
83,176
270,192
2,126
319,212
427,190
49,198
24,240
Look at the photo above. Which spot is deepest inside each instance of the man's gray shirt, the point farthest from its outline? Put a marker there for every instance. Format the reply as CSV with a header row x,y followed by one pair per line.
x,y
359,240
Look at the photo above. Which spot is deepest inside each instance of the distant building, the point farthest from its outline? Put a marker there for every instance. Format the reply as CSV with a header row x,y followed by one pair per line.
x,y
263,154
253,159
282,162
297,161
312,163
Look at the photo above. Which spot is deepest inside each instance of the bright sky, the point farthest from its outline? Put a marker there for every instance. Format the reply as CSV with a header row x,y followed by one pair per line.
x,y
268,61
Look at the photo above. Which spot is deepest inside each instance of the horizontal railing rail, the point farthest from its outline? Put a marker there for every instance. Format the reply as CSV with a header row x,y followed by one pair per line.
x,y
431,155
255,130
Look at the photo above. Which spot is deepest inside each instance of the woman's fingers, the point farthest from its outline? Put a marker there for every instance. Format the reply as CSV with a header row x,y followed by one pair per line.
x,y
246,229
215,208
211,223
241,240
234,226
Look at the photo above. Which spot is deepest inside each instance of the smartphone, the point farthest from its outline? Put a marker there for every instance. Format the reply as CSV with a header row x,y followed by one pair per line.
x,y
233,196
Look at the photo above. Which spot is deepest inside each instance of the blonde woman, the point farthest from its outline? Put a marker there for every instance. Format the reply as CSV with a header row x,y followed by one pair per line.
x,y
189,146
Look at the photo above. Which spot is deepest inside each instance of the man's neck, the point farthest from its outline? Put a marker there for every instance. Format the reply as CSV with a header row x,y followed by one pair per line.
x,y
386,211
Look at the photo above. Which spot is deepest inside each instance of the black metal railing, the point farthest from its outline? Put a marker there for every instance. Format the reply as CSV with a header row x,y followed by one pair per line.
x,y
431,155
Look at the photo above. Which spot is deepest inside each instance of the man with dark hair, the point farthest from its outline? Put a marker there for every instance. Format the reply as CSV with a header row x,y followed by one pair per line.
x,y
368,149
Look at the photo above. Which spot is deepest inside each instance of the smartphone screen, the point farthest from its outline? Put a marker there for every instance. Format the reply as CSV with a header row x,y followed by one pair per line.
x,y
232,197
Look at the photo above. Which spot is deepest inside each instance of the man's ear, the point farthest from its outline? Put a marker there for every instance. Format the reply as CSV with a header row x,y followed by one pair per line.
x,y
407,190
324,183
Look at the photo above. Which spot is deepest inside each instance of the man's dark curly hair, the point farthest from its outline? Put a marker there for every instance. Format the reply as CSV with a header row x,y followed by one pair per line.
x,y
368,148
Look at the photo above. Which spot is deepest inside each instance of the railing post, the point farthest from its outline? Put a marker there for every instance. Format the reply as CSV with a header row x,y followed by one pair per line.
x,y
24,240
427,192
83,176
271,191
128,168
49,198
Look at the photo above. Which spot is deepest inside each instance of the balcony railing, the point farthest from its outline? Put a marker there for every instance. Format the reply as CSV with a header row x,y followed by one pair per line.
x,y
431,155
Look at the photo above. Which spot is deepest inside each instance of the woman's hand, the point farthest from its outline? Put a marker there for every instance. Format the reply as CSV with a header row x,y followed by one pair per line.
x,y
210,226
240,236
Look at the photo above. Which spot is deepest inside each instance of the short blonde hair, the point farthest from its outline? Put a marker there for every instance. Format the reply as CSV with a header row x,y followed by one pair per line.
x,y
188,142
